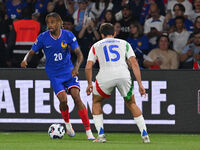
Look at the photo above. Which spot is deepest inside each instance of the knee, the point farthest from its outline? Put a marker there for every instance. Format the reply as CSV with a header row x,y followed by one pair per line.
x,y
77,100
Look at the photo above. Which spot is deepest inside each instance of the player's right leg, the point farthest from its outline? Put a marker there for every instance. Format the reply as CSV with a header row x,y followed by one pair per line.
x,y
65,112
98,118
138,117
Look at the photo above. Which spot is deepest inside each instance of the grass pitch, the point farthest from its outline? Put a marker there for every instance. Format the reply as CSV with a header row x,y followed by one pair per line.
x,y
115,141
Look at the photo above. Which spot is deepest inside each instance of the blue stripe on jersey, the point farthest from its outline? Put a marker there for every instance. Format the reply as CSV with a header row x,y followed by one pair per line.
x,y
58,58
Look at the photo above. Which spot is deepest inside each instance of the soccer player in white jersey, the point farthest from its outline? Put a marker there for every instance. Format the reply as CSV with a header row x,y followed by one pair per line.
x,y
112,55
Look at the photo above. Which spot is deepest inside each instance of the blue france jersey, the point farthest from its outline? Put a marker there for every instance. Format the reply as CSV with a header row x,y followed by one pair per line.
x,y
58,58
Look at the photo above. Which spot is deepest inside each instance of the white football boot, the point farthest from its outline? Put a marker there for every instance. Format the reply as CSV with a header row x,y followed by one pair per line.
x,y
69,130
100,139
90,135
145,137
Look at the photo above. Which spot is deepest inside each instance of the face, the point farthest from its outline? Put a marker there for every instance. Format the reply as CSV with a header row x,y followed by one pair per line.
x,y
197,39
197,23
53,24
163,43
179,23
126,13
197,4
117,28
154,11
68,25
177,11
108,16
133,29
50,7
82,5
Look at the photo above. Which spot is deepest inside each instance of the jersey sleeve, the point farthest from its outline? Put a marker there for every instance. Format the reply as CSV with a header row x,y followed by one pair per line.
x,y
92,55
38,44
129,51
72,40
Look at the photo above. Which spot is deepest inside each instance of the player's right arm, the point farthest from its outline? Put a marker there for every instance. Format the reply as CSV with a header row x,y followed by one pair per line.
x,y
27,58
88,74
88,69
36,46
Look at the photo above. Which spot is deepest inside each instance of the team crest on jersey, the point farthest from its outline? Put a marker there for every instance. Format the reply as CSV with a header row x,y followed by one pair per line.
x,y
18,10
64,45
139,43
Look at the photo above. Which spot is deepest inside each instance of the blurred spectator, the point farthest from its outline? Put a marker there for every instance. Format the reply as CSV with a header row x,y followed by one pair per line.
x,y
180,36
81,15
87,37
117,28
153,26
41,6
64,7
162,57
117,8
6,45
139,42
191,53
126,21
169,22
196,11
26,31
197,24
108,17
196,29
14,8
185,3
145,13
98,9
50,8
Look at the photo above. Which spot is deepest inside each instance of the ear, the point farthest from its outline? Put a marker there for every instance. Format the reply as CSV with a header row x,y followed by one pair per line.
x,y
102,35
115,34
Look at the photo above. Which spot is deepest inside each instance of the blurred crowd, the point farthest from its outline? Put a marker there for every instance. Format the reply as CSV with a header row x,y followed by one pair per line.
x,y
164,34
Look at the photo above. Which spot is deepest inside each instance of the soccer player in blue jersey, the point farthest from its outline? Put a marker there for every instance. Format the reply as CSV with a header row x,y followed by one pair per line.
x,y
63,75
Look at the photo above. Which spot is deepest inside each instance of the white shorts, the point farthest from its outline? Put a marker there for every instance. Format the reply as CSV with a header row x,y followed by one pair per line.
x,y
104,89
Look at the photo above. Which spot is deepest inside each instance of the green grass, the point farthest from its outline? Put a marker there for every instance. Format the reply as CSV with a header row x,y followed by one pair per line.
x,y
115,141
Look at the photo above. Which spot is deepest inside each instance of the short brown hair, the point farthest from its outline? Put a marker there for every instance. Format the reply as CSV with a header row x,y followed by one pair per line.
x,y
107,29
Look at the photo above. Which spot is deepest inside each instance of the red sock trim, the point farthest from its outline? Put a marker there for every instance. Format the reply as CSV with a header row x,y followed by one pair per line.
x,y
84,117
65,115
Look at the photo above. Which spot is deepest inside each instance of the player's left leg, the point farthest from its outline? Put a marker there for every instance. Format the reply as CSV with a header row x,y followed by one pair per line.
x,y
82,111
65,112
98,117
138,117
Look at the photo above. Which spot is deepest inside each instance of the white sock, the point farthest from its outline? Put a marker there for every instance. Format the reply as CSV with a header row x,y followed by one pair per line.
x,y
98,122
141,124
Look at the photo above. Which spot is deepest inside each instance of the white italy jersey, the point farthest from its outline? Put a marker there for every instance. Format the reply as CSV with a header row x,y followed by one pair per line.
x,y
111,54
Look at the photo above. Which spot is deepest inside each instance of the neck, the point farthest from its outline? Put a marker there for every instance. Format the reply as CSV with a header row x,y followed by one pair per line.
x,y
109,36
56,34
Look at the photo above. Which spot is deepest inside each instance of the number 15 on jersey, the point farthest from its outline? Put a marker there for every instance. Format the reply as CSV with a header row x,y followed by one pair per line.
x,y
111,49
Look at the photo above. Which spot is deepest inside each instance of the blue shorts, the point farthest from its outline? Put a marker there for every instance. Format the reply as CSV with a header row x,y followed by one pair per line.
x,y
62,83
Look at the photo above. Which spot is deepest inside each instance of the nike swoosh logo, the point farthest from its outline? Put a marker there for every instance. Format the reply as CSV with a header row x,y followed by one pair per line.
x,y
48,46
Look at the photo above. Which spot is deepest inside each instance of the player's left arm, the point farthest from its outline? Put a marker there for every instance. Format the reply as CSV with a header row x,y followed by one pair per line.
x,y
79,60
136,70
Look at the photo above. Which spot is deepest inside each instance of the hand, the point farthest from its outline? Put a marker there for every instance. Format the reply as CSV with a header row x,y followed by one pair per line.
x,y
75,72
142,90
89,89
157,61
24,64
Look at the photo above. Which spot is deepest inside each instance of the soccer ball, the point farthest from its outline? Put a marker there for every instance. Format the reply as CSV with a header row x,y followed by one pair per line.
x,y
56,131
